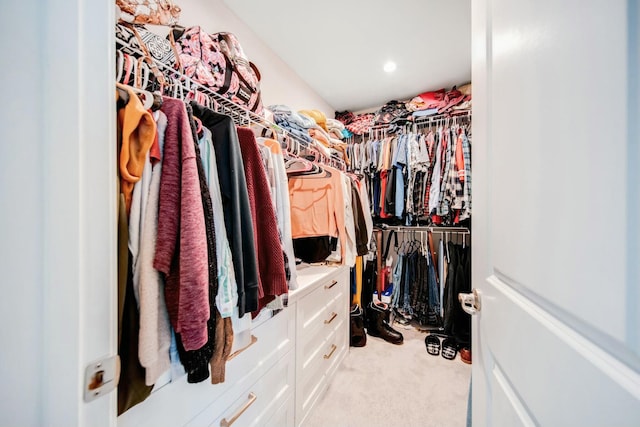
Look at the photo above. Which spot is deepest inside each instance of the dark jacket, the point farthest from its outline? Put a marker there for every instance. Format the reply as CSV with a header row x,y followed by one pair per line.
x,y
235,201
361,225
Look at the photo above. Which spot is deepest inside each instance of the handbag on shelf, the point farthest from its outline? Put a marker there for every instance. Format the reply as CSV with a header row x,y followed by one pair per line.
x,y
153,12
139,42
218,62
245,80
149,43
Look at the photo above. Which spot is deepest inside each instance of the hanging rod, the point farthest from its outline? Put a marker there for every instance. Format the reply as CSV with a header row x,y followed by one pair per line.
x,y
413,122
229,106
431,228
440,117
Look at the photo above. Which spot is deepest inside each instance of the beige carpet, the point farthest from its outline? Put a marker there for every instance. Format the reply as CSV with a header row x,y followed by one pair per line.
x,y
386,385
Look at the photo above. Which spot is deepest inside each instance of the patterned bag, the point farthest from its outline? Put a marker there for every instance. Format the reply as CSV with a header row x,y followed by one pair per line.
x,y
154,12
217,61
245,80
143,40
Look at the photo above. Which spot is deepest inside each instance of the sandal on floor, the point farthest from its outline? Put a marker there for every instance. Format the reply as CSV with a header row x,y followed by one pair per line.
x,y
433,345
449,350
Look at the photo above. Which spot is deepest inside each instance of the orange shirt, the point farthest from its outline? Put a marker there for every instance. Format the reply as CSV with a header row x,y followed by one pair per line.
x,y
317,206
138,133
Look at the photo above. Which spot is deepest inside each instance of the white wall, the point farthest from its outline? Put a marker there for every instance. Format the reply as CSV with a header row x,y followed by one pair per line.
x,y
280,84
57,233
20,221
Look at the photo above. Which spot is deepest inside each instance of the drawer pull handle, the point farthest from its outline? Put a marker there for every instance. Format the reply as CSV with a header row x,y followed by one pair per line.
x,y
252,398
333,349
335,282
329,320
237,352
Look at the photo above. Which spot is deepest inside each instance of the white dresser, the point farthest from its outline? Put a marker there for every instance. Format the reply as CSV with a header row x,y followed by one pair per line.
x,y
275,381
322,332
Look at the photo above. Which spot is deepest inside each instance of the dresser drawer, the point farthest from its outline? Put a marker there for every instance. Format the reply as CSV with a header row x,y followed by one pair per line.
x,y
319,326
176,403
314,377
274,338
284,415
322,311
258,403
341,341
310,306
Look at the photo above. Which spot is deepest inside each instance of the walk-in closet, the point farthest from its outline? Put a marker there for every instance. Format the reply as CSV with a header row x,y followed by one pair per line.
x,y
276,213
271,245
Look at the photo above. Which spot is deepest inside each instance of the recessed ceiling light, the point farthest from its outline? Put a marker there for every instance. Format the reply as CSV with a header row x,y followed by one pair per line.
x,y
390,67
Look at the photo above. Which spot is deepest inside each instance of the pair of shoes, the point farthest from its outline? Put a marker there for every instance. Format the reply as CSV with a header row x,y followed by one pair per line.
x,y
378,324
449,349
465,355
358,335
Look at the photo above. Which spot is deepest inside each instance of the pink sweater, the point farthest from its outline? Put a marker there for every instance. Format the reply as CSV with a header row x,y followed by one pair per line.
x,y
181,248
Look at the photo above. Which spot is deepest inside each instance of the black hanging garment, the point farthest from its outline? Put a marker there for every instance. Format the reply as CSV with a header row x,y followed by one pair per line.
x,y
449,291
369,280
131,388
457,323
462,320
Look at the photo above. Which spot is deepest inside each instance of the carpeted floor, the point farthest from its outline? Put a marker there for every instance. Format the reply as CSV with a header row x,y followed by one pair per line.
x,y
386,385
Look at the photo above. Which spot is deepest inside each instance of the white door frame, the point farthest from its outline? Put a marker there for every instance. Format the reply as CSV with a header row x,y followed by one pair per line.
x,y
80,229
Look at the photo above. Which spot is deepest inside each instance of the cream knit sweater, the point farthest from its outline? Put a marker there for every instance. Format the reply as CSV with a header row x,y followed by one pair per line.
x,y
155,332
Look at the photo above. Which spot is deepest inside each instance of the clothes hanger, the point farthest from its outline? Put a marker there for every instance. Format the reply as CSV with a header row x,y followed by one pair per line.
x,y
119,65
142,82
147,99
198,125
297,164
129,69
446,247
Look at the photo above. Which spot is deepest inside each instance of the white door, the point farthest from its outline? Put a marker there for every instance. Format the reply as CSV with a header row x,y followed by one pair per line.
x,y
57,209
556,193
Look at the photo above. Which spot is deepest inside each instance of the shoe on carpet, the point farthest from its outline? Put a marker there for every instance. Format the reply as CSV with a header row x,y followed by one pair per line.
x,y
358,335
433,344
378,326
465,355
449,349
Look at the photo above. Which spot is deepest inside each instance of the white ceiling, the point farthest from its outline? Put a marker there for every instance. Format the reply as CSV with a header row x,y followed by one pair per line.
x,y
339,47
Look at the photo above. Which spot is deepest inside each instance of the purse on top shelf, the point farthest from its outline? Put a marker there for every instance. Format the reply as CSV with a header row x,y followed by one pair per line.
x,y
218,62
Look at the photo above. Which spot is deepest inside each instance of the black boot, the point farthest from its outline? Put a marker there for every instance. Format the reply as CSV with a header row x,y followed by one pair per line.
x,y
378,325
358,336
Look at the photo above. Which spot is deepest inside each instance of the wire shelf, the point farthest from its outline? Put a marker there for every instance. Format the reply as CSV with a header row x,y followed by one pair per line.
x,y
185,88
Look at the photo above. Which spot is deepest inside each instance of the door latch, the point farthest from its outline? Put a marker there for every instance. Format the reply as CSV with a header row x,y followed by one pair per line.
x,y
470,302
101,377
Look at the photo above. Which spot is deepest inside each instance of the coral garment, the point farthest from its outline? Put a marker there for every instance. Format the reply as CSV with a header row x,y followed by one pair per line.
x,y
317,206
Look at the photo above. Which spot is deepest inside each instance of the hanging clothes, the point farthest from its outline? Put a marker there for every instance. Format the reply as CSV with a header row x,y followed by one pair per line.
x,y
269,251
181,249
417,178
235,201
155,330
273,161
227,297
317,206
